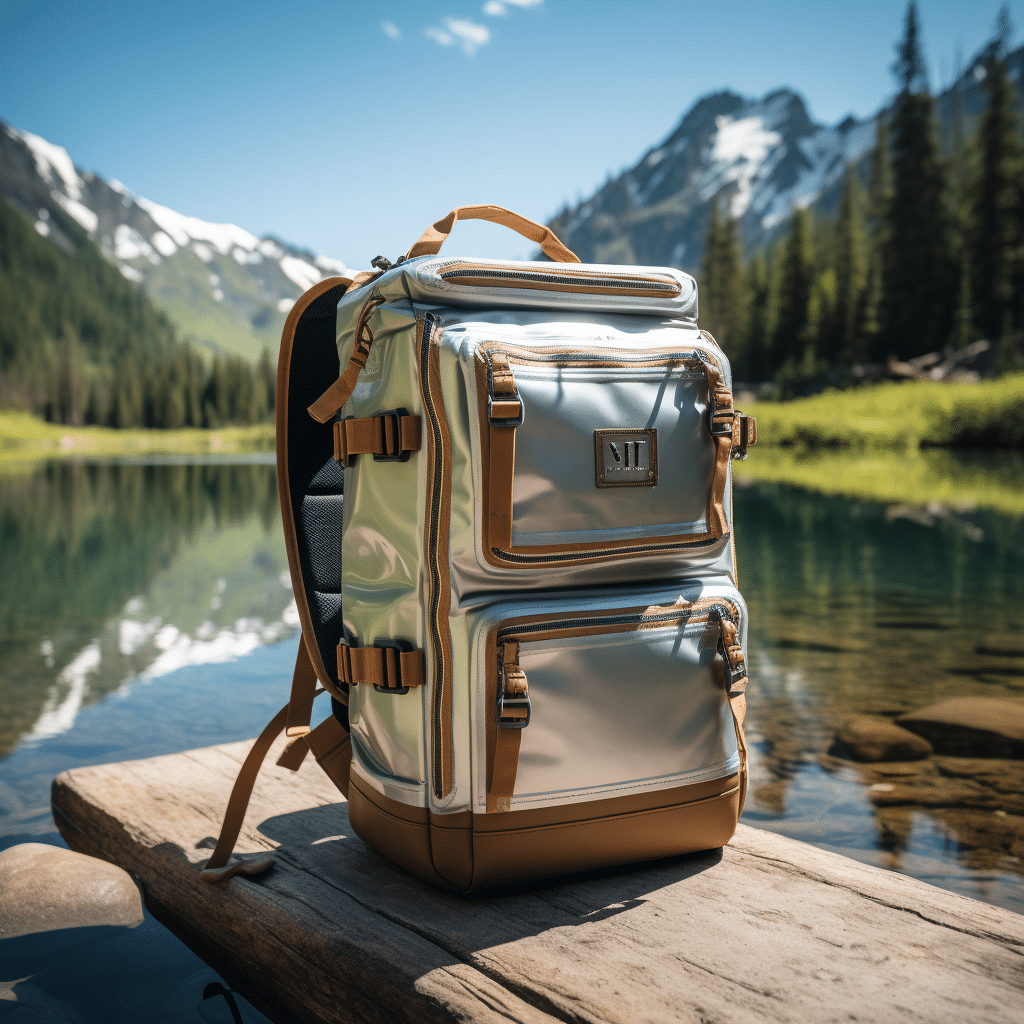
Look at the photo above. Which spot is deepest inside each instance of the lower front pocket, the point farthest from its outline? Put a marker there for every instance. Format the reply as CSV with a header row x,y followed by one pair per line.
x,y
607,700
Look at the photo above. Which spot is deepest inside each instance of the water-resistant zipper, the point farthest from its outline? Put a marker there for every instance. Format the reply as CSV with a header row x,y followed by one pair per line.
x,y
435,576
528,277
720,606
635,549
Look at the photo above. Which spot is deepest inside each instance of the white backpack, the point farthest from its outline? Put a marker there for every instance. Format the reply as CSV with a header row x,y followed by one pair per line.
x,y
527,617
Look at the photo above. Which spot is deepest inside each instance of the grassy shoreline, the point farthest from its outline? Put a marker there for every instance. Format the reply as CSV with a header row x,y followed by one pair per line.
x,y
871,443
899,416
25,438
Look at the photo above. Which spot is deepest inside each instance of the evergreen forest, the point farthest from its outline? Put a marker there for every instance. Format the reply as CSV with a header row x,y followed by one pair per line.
x,y
924,253
80,344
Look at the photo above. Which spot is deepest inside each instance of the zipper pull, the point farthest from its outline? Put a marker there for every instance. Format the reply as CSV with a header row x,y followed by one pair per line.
x,y
514,708
732,654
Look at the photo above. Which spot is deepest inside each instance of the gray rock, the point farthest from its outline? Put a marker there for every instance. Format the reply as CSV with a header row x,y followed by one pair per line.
x,y
870,738
971,727
49,889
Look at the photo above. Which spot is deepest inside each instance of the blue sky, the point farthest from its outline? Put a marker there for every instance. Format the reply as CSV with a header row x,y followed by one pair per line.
x,y
348,127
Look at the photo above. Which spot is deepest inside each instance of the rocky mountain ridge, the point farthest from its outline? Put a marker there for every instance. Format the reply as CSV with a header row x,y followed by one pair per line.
x,y
223,287
761,157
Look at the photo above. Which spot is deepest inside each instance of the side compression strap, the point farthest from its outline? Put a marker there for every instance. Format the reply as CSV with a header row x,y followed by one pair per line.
x,y
304,690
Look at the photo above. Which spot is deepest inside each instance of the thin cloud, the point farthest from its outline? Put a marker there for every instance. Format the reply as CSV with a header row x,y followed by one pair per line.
x,y
467,35
391,30
495,9
524,3
439,36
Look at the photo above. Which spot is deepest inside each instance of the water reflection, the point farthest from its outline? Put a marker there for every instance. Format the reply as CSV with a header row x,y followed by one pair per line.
x,y
858,608
112,572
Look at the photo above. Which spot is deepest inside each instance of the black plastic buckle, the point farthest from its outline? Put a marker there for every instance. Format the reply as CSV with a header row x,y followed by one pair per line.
x,y
515,700
518,422
394,454
398,646
722,428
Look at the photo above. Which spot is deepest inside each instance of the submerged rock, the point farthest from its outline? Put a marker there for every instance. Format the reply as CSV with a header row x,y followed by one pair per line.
x,y
971,727
870,738
47,889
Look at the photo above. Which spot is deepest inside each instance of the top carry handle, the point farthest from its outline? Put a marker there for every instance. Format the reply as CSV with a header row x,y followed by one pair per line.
x,y
432,239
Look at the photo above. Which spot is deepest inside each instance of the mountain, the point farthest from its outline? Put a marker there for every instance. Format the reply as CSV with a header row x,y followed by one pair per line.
x,y
761,157
220,285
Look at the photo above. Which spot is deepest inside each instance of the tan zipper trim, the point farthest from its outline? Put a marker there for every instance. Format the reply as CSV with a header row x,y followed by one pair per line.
x,y
439,465
669,287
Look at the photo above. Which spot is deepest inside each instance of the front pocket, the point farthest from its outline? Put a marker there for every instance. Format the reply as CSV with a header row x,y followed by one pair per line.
x,y
596,456
606,701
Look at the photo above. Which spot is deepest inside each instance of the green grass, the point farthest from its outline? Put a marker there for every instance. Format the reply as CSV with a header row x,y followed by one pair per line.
x,y
899,416
24,437
954,479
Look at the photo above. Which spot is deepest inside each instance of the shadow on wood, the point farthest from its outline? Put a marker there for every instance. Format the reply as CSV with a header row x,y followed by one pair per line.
x,y
767,930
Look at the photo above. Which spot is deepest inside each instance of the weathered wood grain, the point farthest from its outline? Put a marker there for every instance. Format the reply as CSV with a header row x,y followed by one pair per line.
x,y
767,930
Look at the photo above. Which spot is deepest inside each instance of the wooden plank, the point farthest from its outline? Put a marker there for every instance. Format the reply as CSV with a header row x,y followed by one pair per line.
x,y
769,929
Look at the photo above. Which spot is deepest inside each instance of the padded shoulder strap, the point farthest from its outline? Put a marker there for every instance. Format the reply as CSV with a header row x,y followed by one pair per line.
x,y
309,479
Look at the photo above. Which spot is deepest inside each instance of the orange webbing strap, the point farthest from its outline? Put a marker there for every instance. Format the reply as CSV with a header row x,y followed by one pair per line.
x,y
304,691
294,717
341,390
504,413
513,715
722,424
432,239
217,868
735,688
386,667
388,434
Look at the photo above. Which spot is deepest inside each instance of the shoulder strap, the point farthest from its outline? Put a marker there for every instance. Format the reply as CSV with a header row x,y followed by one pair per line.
x,y
310,485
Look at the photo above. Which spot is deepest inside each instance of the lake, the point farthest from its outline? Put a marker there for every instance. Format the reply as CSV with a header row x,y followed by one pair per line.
x,y
146,609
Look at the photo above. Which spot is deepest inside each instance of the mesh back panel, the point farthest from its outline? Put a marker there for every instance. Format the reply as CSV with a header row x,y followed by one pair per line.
x,y
315,479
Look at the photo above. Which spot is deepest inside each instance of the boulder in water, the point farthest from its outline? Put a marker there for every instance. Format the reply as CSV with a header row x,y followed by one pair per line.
x,y
872,738
971,727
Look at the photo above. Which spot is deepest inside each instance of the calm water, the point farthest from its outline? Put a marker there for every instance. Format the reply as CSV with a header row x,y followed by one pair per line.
x,y
146,609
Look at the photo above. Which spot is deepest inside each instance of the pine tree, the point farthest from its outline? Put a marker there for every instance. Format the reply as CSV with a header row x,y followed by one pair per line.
x,y
795,282
879,198
721,285
996,229
851,272
757,328
918,278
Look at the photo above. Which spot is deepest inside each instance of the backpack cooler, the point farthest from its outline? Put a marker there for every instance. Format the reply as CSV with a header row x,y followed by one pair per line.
x,y
525,610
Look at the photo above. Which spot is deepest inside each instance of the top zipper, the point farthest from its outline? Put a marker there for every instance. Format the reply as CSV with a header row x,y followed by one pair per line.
x,y
669,288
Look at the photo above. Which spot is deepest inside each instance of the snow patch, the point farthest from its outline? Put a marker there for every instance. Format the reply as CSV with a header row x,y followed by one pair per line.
x,y
242,257
302,273
55,718
223,237
131,635
218,294
285,305
130,245
269,248
204,252
43,228
333,266
163,244
131,273
81,213
49,159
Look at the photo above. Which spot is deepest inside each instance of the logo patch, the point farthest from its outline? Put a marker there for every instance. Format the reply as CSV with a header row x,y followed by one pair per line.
x,y
626,458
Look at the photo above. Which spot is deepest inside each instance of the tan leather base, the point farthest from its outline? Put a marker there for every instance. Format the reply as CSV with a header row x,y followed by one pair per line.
x,y
468,853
